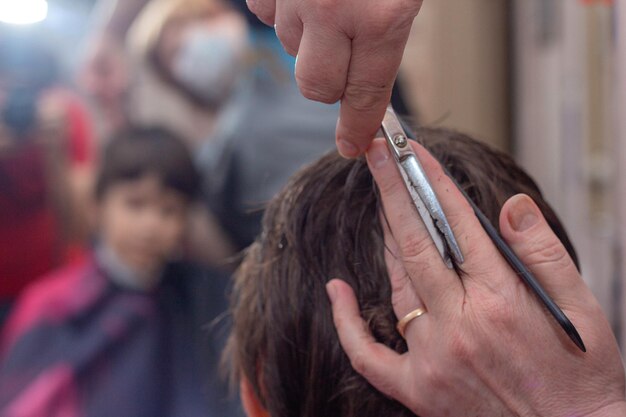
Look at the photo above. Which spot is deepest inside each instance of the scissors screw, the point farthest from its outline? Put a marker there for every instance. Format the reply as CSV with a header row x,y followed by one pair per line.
x,y
400,141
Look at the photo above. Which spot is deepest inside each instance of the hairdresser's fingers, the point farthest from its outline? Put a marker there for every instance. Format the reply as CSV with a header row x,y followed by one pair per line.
x,y
377,50
432,279
288,26
385,369
531,238
322,63
263,9
404,297
480,254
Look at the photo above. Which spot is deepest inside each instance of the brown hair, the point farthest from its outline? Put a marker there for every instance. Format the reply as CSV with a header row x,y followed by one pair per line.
x,y
325,224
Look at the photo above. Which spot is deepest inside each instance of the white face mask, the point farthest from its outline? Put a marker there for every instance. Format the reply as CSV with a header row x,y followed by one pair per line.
x,y
210,59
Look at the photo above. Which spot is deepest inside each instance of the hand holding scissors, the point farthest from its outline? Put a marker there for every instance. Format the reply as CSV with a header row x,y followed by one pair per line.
x,y
482,345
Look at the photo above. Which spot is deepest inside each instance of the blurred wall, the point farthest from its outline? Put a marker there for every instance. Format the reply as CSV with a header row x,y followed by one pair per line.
x,y
456,67
619,120
66,29
565,83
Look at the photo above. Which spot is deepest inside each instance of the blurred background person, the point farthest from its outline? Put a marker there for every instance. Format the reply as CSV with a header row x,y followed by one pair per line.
x,y
262,117
46,159
187,57
123,333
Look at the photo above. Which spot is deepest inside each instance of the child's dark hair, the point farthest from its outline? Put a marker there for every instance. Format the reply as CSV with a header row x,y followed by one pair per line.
x,y
138,151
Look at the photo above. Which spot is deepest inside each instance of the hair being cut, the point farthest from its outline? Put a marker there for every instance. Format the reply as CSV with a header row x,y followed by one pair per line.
x,y
326,224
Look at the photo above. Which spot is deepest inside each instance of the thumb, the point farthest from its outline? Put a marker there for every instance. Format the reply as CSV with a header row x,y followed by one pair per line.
x,y
530,236
385,369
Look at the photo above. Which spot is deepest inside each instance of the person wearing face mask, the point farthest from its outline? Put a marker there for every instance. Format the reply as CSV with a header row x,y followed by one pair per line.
x,y
185,56
210,59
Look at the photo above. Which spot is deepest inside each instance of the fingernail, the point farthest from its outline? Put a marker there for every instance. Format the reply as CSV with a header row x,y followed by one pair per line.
x,y
331,291
523,215
378,156
347,149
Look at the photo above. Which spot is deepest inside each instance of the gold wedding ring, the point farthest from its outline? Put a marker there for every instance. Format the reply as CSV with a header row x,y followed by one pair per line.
x,y
401,326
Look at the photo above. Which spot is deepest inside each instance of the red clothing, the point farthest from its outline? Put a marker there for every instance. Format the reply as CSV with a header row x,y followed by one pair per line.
x,y
79,345
29,240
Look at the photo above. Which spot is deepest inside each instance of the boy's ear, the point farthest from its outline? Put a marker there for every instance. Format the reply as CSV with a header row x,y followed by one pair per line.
x,y
251,404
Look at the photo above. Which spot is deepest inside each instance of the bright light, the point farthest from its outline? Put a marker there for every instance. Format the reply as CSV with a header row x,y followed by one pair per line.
x,y
23,12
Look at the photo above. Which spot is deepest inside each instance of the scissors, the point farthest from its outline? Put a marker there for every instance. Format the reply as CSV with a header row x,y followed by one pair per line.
x,y
430,210
420,190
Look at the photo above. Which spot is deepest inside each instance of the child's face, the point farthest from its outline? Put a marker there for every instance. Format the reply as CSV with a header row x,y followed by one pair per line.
x,y
143,222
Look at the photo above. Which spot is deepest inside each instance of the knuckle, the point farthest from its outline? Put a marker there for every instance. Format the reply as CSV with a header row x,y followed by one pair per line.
x,y
262,10
359,363
287,44
339,321
287,35
343,320
459,222
318,90
390,187
434,378
409,7
393,18
547,251
252,5
400,286
462,348
255,6
364,96
405,9
327,6
416,247
498,312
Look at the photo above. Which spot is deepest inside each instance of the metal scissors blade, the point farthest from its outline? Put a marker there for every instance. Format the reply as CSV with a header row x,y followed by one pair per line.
x,y
420,189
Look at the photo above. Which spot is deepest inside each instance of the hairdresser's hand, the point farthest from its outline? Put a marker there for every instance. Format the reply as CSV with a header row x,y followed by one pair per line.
x,y
347,50
485,347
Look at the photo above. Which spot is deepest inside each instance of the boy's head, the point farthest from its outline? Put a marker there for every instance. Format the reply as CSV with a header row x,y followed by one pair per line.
x,y
146,182
326,223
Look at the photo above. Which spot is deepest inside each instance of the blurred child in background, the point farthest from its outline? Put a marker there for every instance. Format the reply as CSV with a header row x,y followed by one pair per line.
x,y
46,157
121,334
